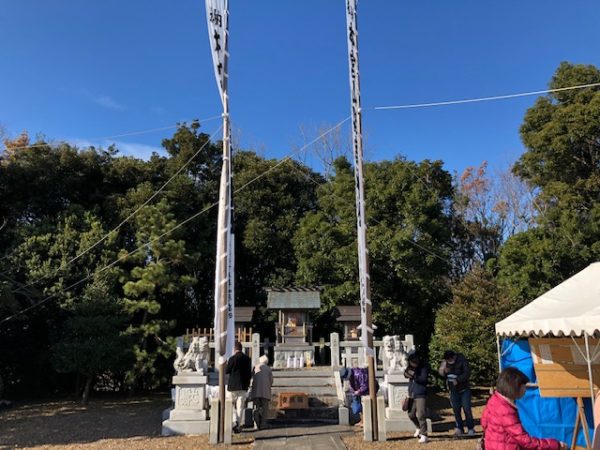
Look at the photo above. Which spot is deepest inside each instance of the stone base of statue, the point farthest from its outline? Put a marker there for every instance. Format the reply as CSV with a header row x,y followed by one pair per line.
x,y
395,418
188,415
293,356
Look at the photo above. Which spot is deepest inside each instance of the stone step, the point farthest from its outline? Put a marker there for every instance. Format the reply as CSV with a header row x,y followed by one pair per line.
x,y
322,401
313,413
308,390
302,373
300,382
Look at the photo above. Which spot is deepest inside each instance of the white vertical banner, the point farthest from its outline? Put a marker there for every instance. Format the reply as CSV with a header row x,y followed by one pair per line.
x,y
231,272
222,268
357,145
217,17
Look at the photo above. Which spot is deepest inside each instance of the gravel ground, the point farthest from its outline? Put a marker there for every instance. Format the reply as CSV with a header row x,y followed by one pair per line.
x,y
407,441
135,423
116,423
443,429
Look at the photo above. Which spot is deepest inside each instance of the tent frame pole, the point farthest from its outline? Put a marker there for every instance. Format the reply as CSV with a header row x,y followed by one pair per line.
x,y
589,364
499,354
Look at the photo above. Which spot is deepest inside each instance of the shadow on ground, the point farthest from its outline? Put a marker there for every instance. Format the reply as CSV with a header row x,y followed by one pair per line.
x,y
441,414
67,422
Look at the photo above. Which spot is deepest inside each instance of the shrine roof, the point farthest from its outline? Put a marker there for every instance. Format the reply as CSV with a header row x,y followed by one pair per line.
x,y
244,314
347,313
296,298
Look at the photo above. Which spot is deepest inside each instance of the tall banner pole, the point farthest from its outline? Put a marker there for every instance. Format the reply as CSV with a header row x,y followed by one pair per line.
x,y
217,15
366,323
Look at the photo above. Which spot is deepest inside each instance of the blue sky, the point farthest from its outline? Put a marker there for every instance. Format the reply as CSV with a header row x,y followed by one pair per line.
x,y
83,70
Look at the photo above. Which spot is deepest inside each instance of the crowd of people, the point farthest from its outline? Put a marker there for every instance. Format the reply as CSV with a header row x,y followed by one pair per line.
x,y
502,428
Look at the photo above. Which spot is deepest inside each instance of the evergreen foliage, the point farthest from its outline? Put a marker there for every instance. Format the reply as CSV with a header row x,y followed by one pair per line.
x,y
448,257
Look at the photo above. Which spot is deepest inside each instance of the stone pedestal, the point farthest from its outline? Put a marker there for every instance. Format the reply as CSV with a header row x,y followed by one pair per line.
x,y
395,418
294,353
188,415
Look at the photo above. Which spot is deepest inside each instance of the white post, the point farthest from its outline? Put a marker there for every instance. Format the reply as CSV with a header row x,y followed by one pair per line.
x,y
256,348
381,419
334,347
366,326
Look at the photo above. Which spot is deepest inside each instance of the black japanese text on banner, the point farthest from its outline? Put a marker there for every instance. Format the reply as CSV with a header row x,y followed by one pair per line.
x,y
217,17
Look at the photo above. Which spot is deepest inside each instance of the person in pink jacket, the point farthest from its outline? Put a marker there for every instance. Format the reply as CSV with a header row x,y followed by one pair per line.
x,y
502,429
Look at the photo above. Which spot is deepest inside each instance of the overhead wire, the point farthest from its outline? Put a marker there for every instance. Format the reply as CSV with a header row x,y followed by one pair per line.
x,y
179,225
484,99
106,138
405,106
158,191
336,126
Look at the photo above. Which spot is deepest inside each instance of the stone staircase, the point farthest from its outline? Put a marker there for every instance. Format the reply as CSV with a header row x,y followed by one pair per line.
x,y
319,385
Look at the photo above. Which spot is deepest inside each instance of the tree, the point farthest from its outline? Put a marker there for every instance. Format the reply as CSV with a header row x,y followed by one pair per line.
x,y
92,340
194,190
329,147
488,211
408,209
267,214
57,200
47,277
562,135
151,281
466,324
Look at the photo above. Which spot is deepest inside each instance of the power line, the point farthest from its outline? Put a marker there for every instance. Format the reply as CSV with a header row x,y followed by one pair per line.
x,y
112,137
485,99
105,138
158,191
339,124
179,225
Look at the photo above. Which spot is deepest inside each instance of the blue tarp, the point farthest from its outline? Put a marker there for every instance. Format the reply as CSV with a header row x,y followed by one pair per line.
x,y
543,417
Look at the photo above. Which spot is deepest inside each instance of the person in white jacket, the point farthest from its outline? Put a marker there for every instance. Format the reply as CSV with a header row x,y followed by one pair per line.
x,y
262,380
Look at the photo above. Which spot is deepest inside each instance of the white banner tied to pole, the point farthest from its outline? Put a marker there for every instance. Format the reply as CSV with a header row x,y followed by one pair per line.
x,y
222,270
365,301
217,17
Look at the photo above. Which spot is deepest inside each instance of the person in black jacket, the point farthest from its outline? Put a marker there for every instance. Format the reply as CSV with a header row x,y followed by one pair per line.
x,y
417,372
455,368
239,368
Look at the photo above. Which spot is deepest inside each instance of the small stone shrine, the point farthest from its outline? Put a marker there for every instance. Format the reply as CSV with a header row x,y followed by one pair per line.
x,y
293,348
349,316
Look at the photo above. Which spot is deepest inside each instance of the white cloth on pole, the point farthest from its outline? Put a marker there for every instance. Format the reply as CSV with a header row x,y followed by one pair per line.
x,y
358,170
217,18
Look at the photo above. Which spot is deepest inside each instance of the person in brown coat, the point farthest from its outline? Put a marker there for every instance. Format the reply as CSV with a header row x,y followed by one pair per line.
x,y
262,380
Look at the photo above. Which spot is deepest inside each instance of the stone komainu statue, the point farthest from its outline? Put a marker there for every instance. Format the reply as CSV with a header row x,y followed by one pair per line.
x,y
195,359
395,357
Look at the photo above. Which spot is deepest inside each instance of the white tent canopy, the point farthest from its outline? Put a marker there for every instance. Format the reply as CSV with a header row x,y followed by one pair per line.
x,y
571,308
